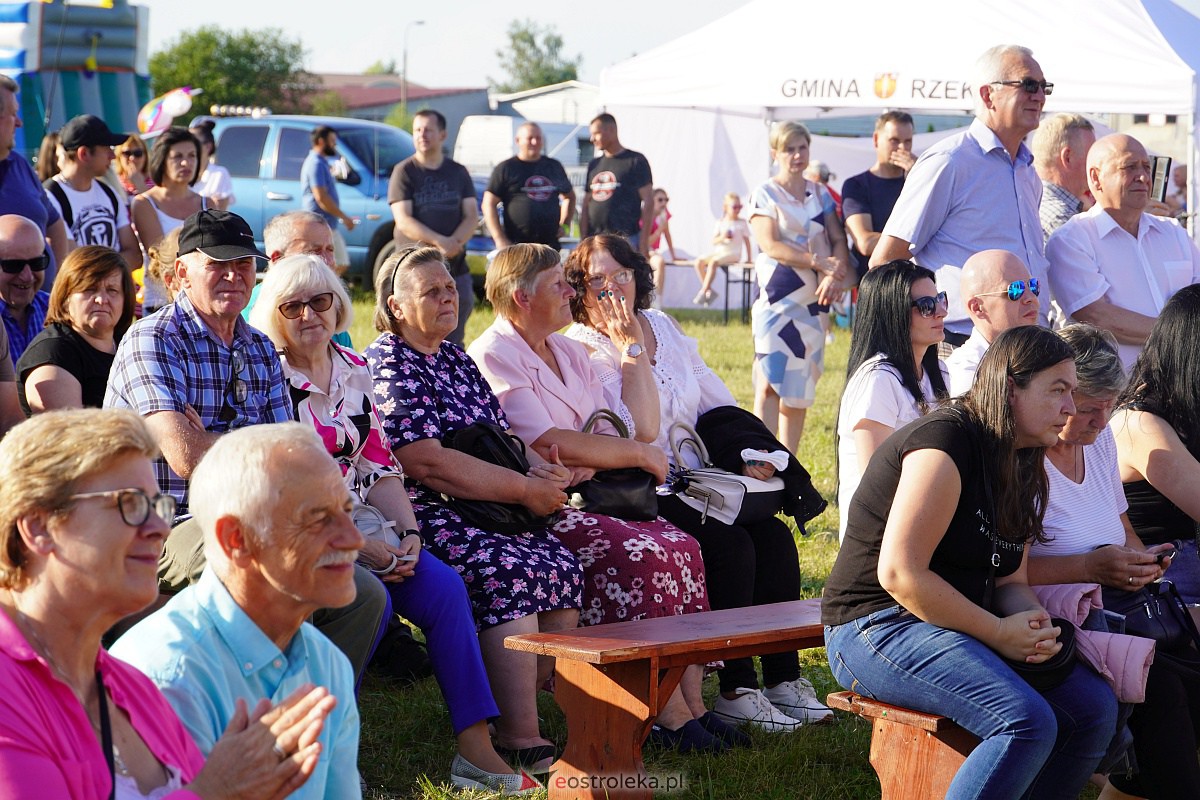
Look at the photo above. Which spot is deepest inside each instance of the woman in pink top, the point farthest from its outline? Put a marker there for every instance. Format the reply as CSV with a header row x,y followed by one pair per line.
x,y
82,526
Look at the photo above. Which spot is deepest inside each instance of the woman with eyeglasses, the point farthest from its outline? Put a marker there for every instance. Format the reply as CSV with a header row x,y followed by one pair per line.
x,y
660,230
893,374
929,603
174,168
1157,427
131,166
301,305
82,523
91,307
801,267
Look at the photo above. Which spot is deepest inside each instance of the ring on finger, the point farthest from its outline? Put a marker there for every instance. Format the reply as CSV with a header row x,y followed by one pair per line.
x,y
1131,580
279,751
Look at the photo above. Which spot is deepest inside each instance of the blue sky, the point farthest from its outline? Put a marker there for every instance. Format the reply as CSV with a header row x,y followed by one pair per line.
x,y
456,45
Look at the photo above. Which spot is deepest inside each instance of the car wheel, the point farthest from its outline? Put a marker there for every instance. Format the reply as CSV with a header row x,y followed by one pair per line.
x,y
381,255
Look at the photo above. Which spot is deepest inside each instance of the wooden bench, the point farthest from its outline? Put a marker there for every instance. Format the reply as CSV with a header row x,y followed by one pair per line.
x,y
915,755
612,680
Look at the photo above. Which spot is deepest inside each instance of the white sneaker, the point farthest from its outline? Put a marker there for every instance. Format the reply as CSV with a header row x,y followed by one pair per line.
x,y
753,707
798,699
698,300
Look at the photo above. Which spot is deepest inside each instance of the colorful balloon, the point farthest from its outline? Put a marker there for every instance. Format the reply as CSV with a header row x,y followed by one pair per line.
x,y
159,113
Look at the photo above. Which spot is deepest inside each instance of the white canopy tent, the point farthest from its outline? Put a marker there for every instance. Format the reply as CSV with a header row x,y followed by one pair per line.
x,y
697,107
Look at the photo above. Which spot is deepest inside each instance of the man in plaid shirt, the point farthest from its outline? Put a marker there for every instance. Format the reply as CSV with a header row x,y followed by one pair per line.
x,y
195,370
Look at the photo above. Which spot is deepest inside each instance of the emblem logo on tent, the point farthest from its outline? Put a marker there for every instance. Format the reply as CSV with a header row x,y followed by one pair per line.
x,y
885,85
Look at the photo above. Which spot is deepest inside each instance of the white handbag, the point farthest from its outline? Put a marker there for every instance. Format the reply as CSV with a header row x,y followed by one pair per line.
x,y
725,496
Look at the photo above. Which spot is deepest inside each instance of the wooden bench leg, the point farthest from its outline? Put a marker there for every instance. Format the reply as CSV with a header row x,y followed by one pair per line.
x,y
913,764
609,709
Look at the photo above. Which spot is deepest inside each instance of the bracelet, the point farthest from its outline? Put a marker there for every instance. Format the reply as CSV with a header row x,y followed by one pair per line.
x,y
413,532
385,570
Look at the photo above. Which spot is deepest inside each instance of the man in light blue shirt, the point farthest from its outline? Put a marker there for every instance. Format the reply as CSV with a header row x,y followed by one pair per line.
x,y
319,194
279,544
977,190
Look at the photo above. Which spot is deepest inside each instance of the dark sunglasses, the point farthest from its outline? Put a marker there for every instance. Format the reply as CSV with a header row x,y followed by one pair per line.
x,y
927,306
133,153
1030,85
294,308
1016,290
236,388
14,266
135,505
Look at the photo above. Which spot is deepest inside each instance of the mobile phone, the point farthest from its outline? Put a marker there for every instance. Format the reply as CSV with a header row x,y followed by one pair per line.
x,y
1163,555
1162,176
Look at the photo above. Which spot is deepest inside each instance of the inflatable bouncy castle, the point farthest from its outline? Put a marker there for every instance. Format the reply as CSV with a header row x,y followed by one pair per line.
x,y
75,58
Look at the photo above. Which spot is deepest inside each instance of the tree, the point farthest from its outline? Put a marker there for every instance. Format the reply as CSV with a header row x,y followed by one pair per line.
x,y
246,67
531,63
327,104
382,67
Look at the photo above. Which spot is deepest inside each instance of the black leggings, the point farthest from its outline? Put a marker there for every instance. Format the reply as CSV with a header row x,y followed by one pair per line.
x,y
744,566
1165,732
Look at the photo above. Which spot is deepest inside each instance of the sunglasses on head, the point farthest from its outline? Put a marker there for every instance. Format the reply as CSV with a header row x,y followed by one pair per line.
x,y
927,306
14,266
318,303
1030,85
1016,290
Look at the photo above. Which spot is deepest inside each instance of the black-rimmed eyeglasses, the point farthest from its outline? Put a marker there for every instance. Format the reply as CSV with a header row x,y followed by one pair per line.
x,y
135,505
1029,85
318,303
14,266
927,306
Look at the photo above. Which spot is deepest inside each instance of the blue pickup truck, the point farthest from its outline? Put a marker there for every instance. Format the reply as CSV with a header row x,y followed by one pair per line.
x,y
264,155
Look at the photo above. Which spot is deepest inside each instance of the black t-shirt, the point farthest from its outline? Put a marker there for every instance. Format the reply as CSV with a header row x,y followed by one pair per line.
x,y
962,558
866,193
613,183
530,193
60,346
436,196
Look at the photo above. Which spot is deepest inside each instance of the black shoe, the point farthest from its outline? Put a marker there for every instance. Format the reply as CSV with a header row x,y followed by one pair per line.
x,y
690,738
723,730
400,657
536,759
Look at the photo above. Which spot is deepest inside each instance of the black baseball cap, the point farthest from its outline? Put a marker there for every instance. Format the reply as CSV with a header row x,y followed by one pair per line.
x,y
89,131
220,235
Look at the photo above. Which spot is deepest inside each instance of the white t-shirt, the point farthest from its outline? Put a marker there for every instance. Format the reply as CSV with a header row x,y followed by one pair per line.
x,y
215,184
92,219
874,392
1083,516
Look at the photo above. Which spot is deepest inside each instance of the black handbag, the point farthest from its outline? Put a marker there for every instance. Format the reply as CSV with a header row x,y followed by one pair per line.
x,y
626,493
1156,611
1054,670
497,446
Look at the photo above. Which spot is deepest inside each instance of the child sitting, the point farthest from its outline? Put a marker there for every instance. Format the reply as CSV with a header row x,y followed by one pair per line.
x,y
731,236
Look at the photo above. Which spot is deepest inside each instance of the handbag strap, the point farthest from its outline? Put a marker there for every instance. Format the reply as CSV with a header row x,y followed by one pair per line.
x,y
1180,607
689,439
106,738
611,416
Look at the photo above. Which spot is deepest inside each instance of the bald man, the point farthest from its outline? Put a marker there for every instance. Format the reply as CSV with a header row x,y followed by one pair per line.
x,y
998,294
22,303
1115,265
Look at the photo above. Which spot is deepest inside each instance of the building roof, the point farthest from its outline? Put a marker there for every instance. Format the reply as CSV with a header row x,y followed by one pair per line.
x,y
363,91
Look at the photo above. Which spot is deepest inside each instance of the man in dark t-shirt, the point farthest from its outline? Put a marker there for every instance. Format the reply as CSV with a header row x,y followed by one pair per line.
x,y
535,191
619,190
433,202
869,197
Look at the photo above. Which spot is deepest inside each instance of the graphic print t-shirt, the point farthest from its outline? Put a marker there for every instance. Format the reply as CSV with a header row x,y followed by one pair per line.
x,y
530,193
613,182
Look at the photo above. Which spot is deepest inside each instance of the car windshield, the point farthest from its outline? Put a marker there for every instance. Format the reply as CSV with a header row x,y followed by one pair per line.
x,y
378,148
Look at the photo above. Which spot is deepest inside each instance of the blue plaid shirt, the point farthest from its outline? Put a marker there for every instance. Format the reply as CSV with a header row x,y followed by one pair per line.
x,y
19,336
172,359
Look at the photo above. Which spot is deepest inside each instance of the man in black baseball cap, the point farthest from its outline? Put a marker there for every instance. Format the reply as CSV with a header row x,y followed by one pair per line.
x,y
219,235
89,131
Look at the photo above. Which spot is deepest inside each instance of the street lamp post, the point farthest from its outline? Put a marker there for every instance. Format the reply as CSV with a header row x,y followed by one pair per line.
x,y
404,68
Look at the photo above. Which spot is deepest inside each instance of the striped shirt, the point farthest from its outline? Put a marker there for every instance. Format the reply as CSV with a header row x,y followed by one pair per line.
x,y
19,336
172,359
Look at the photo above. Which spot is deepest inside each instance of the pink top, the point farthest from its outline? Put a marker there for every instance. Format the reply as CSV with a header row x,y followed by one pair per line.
x,y
532,396
48,747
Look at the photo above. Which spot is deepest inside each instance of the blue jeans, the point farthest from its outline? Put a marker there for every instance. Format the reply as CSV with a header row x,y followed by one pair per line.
x,y
435,600
1033,745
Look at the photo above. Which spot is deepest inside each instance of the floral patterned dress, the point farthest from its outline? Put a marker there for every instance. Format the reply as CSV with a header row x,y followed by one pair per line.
x,y
632,569
507,577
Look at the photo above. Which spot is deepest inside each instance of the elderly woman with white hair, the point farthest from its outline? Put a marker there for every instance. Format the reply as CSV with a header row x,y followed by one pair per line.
x,y
301,305
82,523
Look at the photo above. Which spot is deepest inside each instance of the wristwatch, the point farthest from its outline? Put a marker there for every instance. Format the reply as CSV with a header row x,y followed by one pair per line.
x,y
413,532
633,350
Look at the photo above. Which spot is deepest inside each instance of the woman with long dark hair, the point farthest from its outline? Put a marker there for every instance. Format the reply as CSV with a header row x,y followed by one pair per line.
x,y
893,375
1157,428
928,602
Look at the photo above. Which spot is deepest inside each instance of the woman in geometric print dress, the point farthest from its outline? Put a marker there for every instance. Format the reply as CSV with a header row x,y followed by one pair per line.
x,y
796,227
302,304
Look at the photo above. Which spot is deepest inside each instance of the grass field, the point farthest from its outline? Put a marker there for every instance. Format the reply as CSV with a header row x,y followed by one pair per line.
x,y
407,743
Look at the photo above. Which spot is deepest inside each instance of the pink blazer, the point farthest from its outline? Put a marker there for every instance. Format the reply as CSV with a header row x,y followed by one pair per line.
x,y
532,396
